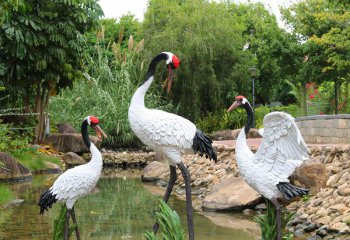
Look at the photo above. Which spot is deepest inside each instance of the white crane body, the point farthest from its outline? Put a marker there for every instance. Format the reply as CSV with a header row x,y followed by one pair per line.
x,y
79,181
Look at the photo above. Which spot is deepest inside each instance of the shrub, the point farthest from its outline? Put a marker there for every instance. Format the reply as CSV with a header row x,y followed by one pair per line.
x,y
237,118
106,92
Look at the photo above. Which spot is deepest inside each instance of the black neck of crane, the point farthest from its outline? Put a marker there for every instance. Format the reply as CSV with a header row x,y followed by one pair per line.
x,y
85,134
153,65
250,117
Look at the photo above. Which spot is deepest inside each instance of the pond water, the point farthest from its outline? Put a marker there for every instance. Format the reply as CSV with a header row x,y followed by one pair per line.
x,y
121,207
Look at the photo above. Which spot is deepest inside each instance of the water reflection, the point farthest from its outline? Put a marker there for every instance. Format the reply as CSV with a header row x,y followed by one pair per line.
x,y
120,207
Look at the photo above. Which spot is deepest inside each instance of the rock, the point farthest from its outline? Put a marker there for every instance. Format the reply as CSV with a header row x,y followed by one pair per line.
x,y
345,191
231,194
66,128
296,221
311,175
321,233
233,134
248,212
51,168
70,142
154,170
12,170
316,237
339,226
73,159
340,208
311,227
299,233
324,221
260,206
332,180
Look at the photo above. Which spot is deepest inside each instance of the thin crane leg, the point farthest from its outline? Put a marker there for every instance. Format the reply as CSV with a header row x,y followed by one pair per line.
x,y
66,225
278,218
77,234
187,179
171,183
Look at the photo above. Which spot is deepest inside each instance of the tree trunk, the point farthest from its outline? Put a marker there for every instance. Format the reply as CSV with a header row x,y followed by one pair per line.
x,y
303,104
336,96
42,102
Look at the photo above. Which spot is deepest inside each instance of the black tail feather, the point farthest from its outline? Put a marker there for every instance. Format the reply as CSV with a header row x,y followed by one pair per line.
x,y
202,144
289,191
46,201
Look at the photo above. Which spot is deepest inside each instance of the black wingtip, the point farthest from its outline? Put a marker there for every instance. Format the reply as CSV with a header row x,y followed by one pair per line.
x,y
203,144
46,201
289,191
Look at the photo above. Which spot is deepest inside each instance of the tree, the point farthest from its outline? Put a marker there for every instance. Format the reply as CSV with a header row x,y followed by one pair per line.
x,y
41,47
209,43
324,27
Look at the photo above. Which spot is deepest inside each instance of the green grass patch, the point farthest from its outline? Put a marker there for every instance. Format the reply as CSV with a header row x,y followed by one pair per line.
x,y
34,160
5,194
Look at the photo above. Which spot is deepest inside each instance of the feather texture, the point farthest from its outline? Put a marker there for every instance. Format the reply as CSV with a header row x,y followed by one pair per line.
x,y
281,151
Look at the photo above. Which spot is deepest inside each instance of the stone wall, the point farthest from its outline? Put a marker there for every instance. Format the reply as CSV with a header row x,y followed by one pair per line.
x,y
325,129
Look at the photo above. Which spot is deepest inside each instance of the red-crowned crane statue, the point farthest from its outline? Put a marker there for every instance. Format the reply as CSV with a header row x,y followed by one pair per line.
x,y
168,133
76,182
281,151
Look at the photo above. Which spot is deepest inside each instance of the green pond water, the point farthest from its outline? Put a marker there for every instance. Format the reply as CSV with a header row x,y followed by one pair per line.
x,y
121,207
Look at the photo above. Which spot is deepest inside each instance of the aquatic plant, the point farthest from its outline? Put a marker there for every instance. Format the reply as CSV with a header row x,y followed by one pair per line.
x,y
170,224
267,222
59,223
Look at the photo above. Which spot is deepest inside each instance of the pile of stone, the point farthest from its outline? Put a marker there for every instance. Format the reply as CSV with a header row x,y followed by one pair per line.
x,y
219,186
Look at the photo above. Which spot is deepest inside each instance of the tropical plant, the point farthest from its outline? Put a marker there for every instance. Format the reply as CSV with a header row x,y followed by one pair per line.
x,y
267,222
106,92
59,225
323,27
170,224
41,46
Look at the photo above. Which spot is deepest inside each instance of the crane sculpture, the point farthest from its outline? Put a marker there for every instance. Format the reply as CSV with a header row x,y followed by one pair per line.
x,y
281,151
76,182
168,133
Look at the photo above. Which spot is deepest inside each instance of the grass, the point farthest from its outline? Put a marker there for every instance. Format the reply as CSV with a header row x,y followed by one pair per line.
x,y
34,160
5,194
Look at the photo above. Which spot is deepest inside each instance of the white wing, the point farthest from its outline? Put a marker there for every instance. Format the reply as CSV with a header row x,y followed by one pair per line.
x,y
74,183
283,148
167,129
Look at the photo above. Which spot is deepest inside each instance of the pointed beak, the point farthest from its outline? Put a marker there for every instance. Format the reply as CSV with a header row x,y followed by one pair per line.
x,y
100,133
234,105
170,78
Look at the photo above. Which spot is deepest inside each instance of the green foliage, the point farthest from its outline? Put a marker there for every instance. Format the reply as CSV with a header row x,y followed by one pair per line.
x,y
59,225
10,140
41,49
208,40
267,222
237,118
5,194
32,159
170,224
106,92
324,29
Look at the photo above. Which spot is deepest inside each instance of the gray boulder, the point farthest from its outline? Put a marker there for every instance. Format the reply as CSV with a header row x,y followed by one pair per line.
x,y
70,142
11,170
73,159
231,195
